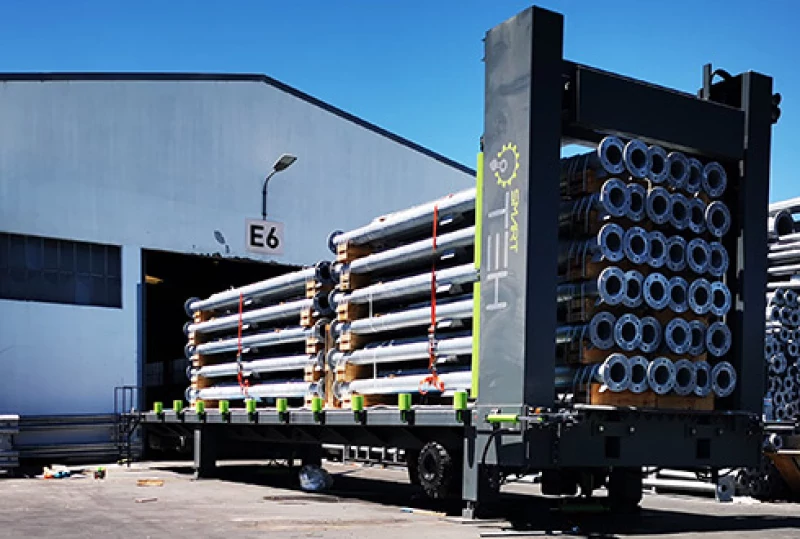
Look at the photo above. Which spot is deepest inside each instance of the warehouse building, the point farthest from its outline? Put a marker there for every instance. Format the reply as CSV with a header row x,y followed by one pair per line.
x,y
122,195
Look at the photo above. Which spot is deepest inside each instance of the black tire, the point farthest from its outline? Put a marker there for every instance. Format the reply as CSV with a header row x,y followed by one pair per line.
x,y
438,472
412,463
625,489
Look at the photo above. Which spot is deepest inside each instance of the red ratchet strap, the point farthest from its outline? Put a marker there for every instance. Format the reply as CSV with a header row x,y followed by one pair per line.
x,y
433,379
243,384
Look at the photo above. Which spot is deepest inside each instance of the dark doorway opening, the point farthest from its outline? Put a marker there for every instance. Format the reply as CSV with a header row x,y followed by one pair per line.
x,y
169,280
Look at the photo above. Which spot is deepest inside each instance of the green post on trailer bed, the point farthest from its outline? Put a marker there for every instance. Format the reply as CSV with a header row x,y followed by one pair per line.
x,y
224,407
158,407
282,405
200,407
476,288
177,405
251,406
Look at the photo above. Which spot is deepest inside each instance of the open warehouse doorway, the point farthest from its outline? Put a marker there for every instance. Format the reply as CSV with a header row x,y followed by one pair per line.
x,y
169,279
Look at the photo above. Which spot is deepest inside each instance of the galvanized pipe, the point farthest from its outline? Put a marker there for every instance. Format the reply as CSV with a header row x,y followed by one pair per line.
x,y
788,254
792,204
658,205
599,331
455,310
453,381
264,391
658,165
608,245
272,313
259,340
612,200
416,218
277,287
611,286
697,215
680,211
694,182
407,286
718,218
606,160
780,224
411,253
678,167
271,364
397,351
637,195
637,158
715,179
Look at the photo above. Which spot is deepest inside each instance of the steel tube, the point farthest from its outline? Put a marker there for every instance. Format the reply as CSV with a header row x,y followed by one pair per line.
x,y
612,200
701,296
608,245
455,310
402,222
417,251
611,287
637,158
264,391
661,375
702,379
678,295
658,165
679,485
715,179
676,253
698,255
271,364
656,291
780,224
698,337
678,167
606,160
599,331
718,339
697,215
721,299
678,336
638,369
723,379
259,340
281,286
657,205
394,352
637,195
657,255
407,286
685,377
694,181
792,204
680,214
267,314
615,373
634,283
652,335
635,245
628,332
453,381
718,218
718,261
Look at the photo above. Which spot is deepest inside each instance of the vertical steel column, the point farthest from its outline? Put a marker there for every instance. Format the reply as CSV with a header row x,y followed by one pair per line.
x,y
519,249
751,262
205,453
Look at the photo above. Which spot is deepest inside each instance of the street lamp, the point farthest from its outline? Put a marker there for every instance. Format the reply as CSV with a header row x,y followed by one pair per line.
x,y
284,161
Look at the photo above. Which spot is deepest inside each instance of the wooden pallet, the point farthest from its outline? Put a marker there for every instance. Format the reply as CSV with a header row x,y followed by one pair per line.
x,y
350,341
312,373
308,317
352,281
314,345
347,252
348,372
649,399
787,462
347,312
330,400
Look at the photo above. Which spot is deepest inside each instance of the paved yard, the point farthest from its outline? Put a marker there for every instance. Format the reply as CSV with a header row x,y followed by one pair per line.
x,y
257,501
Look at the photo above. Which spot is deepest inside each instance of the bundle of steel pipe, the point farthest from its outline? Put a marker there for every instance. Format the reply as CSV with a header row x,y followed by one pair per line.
x,y
262,340
782,341
404,304
642,269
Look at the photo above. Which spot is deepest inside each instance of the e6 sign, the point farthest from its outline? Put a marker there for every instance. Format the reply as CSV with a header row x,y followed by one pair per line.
x,y
264,237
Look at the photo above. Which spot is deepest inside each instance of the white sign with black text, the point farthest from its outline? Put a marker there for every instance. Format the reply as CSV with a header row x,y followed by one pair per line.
x,y
264,237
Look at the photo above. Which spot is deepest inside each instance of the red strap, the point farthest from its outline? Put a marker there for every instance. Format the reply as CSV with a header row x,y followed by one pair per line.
x,y
243,384
433,379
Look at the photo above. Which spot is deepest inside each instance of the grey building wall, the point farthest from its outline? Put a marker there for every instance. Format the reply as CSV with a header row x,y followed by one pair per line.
x,y
173,165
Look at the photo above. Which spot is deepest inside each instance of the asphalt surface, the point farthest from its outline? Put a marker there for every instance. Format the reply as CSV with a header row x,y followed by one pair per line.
x,y
259,501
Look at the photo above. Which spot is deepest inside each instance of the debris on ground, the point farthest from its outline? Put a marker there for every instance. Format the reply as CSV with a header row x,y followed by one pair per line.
x,y
146,500
314,479
150,483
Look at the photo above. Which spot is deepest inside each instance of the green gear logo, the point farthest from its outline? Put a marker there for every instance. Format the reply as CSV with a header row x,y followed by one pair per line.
x,y
506,165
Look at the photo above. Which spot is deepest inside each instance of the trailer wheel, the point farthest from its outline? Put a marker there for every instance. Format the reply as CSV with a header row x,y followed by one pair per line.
x,y
438,472
625,489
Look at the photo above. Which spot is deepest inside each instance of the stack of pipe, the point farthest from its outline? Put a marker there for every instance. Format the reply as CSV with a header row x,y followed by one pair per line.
x,y
642,267
782,343
262,341
403,301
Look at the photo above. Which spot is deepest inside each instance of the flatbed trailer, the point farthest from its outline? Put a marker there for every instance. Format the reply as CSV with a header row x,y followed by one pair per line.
x,y
538,102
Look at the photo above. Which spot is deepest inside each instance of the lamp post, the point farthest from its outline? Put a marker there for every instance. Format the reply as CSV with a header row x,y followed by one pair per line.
x,y
284,161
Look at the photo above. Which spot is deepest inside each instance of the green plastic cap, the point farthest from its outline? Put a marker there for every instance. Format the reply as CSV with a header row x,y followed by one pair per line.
x,y
282,405
224,407
177,405
200,407
316,404
460,400
404,401
251,406
357,403
158,407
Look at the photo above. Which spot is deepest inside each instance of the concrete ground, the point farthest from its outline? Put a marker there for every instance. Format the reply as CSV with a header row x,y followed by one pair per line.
x,y
258,501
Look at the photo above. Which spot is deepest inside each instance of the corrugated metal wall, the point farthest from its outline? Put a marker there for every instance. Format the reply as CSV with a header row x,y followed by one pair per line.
x,y
175,166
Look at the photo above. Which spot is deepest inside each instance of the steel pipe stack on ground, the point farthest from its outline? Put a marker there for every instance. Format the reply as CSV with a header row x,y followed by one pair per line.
x,y
262,341
782,342
642,266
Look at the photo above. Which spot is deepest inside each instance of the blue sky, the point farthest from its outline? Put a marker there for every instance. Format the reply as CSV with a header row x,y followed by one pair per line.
x,y
413,66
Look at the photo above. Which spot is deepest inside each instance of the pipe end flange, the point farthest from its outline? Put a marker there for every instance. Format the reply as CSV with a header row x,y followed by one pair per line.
x,y
661,375
637,158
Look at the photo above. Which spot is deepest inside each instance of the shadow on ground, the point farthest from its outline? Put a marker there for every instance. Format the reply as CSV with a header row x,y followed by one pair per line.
x,y
518,512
